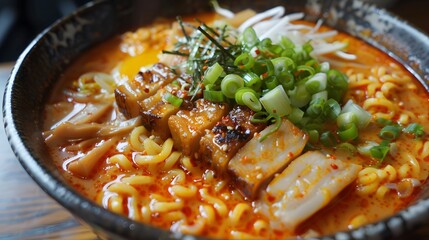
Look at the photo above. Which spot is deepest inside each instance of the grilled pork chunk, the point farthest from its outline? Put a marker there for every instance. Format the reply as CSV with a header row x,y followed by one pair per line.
x,y
224,140
144,85
256,162
188,126
156,110
308,184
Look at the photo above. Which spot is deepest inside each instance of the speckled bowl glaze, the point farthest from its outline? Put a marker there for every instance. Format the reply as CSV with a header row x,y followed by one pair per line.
x,y
41,64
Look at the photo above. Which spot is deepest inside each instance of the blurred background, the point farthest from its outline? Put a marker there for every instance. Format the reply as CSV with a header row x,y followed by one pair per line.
x,y
22,20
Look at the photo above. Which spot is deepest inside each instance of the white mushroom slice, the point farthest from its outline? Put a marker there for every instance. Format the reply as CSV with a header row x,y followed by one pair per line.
x,y
308,184
258,161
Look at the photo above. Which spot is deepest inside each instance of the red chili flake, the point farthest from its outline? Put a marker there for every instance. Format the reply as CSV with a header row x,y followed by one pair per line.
x,y
291,154
146,90
265,74
334,166
270,198
257,51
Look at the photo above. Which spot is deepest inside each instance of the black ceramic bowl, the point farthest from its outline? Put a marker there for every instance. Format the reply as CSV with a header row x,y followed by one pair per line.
x,y
41,64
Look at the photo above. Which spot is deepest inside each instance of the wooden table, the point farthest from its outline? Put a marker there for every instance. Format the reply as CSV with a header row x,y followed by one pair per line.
x,y
26,212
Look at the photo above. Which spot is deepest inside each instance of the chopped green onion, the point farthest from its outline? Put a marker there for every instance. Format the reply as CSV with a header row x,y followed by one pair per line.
x,y
350,132
270,68
239,94
390,132
278,123
251,101
383,121
307,47
276,102
328,139
244,61
212,74
286,79
313,136
337,84
250,39
260,67
332,109
324,67
296,115
366,148
261,117
363,117
174,100
323,95
252,80
316,107
214,96
230,84
299,96
286,43
275,49
316,83
271,82
282,64
305,71
380,152
347,147
345,119
415,129
288,52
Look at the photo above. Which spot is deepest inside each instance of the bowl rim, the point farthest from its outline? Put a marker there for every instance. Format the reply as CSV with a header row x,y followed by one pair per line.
x,y
82,207
67,197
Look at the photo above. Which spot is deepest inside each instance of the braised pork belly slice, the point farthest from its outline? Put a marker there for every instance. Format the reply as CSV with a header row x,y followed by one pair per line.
x,y
188,126
144,85
224,140
156,109
257,161
308,184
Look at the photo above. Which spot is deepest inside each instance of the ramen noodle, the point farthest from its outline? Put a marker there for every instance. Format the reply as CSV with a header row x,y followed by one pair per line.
x,y
277,182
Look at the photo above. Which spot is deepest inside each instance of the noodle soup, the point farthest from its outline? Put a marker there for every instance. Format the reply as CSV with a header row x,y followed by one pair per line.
x,y
150,136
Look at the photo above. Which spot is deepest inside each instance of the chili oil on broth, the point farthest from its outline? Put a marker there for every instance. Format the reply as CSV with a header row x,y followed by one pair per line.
x,y
192,179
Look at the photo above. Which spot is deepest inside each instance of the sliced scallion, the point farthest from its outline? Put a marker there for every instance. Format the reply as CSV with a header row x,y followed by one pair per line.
x,y
214,96
328,139
244,61
296,115
316,83
347,147
230,84
349,133
332,109
380,151
363,117
172,99
212,73
251,101
390,132
415,129
276,102
250,39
